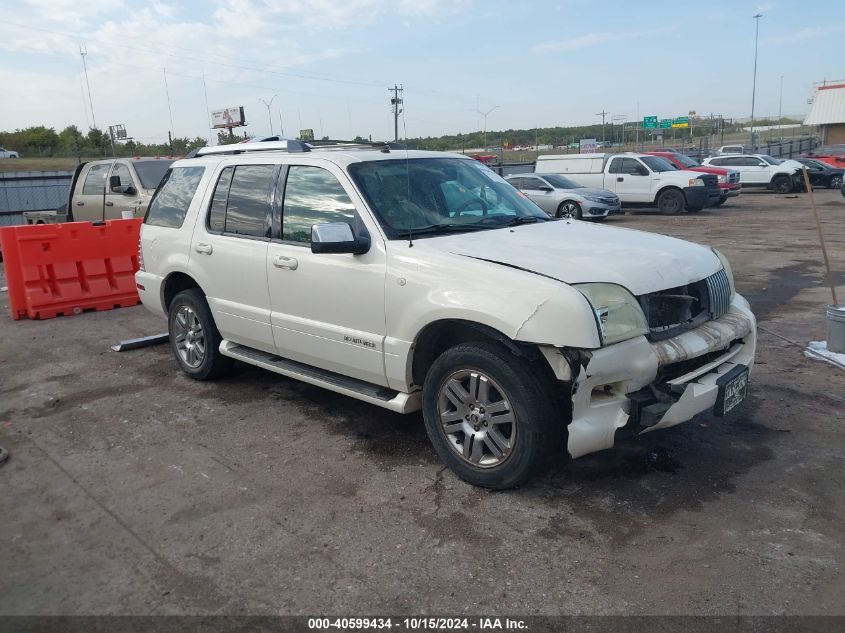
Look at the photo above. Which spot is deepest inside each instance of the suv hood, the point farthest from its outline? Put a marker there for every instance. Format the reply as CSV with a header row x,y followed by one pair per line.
x,y
578,252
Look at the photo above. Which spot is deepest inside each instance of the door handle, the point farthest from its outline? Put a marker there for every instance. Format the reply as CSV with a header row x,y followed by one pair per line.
x,y
203,248
109,204
281,261
619,179
79,204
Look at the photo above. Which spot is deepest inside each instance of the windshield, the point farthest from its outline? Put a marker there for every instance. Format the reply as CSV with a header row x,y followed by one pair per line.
x,y
655,163
686,161
439,195
561,182
771,160
151,171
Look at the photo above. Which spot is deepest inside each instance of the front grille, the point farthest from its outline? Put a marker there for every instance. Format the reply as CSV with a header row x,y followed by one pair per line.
x,y
733,177
675,310
719,293
610,201
711,182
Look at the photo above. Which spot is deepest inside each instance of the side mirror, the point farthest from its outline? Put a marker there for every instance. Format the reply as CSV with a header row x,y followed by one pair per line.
x,y
116,187
337,237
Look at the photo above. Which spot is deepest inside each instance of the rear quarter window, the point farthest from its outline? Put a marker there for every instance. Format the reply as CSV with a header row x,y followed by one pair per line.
x,y
171,200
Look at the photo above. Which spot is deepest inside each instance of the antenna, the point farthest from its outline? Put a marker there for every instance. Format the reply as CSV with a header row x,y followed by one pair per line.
x,y
207,109
169,107
395,102
83,51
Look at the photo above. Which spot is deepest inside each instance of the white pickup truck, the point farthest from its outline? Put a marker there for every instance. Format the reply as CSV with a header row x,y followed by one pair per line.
x,y
422,280
104,189
637,179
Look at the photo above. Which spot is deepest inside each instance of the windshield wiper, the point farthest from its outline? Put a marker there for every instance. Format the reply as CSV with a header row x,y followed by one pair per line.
x,y
525,219
437,228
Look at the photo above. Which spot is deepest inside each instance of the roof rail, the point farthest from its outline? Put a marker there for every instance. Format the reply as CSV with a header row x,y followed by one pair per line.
x,y
266,146
292,146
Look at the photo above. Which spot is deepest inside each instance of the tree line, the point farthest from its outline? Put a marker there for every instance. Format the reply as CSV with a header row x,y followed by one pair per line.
x,y
38,141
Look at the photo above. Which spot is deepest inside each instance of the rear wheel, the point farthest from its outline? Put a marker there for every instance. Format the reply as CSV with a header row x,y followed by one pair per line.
x,y
194,338
835,182
488,416
782,184
569,209
671,202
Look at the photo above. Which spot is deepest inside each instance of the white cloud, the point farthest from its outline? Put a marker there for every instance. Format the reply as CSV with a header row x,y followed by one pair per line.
x,y
72,12
583,41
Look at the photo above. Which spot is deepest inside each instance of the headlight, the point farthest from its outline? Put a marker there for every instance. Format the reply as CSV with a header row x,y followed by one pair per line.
x,y
727,266
723,178
617,312
592,198
696,182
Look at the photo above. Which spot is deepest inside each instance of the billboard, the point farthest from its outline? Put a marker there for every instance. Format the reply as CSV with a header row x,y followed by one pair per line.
x,y
228,117
306,134
587,145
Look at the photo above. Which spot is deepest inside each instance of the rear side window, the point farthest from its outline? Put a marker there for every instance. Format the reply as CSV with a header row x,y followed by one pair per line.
x,y
95,181
241,201
170,203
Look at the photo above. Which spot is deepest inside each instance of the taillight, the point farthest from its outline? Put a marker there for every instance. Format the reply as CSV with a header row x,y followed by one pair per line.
x,y
140,255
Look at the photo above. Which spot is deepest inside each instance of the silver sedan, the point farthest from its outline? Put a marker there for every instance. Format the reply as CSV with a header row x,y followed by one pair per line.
x,y
561,197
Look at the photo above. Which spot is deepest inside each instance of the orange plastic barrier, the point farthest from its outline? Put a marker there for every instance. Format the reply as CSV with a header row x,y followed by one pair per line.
x,y
62,269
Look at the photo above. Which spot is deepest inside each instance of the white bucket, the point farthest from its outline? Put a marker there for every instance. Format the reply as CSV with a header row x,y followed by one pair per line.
x,y
836,329
127,215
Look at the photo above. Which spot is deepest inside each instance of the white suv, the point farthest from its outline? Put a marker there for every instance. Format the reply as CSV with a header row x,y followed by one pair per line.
x,y
422,280
761,170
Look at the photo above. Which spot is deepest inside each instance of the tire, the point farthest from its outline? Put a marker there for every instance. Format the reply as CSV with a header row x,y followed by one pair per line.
x,y
454,399
671,202
694,209
569,209
835,182
194,337
782,184
721,202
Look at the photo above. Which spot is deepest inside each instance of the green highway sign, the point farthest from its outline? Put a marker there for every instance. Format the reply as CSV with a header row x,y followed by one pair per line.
x,y
664,123
650,122
680,121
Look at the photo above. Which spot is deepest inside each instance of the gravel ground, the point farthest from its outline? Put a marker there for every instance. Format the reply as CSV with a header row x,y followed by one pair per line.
x,y
133,490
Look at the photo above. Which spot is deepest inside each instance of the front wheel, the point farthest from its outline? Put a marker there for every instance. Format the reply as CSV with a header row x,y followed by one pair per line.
x,y
835,182
722,201
488,416
782,184
569,209
671,202
194,338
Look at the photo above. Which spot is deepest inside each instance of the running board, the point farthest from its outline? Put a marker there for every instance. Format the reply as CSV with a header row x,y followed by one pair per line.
x,y
368,392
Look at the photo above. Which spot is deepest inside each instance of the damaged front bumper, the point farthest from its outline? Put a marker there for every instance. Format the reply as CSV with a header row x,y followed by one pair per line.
x,y
643,386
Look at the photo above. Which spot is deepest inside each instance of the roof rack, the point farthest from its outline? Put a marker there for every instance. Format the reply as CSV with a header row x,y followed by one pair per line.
x,y
292,146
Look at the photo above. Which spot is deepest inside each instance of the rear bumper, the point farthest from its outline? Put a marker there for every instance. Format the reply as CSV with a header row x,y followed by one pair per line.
x,y
618,386
149,290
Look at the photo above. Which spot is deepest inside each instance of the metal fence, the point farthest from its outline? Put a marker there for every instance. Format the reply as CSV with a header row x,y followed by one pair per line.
x,y
788,149
31,191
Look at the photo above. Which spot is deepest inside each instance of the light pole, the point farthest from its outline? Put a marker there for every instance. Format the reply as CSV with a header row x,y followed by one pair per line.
x,y
780,100
757,17
267,105
484,114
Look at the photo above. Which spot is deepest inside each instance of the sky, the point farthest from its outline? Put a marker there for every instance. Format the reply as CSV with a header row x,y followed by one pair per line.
x,y
327,64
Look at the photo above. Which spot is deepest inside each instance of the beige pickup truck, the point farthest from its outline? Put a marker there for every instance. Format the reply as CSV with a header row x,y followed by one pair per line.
x,y
104,189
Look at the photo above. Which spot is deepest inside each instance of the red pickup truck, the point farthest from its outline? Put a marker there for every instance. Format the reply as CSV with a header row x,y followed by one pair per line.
x,y
729,185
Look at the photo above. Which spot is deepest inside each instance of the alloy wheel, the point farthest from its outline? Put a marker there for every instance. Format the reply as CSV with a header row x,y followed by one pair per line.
x,y
189,337
477,418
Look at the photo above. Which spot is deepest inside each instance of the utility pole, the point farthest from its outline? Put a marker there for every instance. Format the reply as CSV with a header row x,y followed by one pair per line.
x,y
602,114
395,104
756,17
780,100
267,105
83,51
484,136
